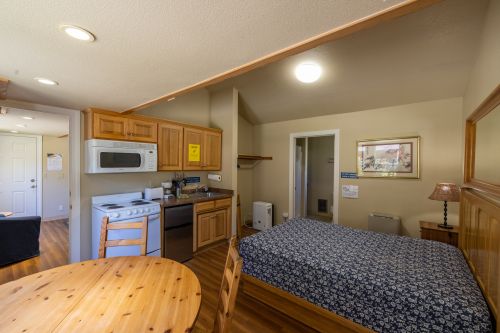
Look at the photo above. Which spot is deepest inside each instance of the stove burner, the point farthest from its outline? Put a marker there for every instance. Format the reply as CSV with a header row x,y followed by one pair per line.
x,y
108,205
115,206
139,203
134,201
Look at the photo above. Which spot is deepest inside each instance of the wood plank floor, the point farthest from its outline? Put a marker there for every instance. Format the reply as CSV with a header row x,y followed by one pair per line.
x,y
250,315
53,252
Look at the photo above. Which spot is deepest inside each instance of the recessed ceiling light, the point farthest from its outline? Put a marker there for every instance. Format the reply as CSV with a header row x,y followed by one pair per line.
x,y
77,33
308,72
27,117
21,125
14,131
46,81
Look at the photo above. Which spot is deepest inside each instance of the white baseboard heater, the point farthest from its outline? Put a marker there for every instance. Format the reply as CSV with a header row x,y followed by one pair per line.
x,y
386,223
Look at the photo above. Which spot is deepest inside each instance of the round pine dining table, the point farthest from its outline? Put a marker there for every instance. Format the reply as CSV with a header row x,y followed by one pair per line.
x,y
120,294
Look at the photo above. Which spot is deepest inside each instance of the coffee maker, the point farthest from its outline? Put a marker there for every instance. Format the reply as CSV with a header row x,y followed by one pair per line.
x,y
167,190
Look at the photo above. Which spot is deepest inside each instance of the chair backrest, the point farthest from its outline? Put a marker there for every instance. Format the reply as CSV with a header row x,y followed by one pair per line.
x,y
228,289
105,243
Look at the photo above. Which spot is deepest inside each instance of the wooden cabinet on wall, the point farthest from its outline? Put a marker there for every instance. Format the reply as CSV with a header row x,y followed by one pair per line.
x,y
170,144
102,124
213,222
210,149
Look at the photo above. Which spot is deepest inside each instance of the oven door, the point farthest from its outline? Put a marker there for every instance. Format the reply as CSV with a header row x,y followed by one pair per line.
x,y
110,160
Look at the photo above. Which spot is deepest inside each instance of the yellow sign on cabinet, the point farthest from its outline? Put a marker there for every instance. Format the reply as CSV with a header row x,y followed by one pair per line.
x,y
194,153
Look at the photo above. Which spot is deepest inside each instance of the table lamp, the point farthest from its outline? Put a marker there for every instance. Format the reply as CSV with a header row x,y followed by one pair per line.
x,y
445,192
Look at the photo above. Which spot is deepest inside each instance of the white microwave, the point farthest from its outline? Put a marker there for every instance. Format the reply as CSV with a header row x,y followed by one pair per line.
x,y
107,156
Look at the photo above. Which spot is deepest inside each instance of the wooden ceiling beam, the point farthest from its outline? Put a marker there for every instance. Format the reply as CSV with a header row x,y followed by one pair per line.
x,y
4,84
404,8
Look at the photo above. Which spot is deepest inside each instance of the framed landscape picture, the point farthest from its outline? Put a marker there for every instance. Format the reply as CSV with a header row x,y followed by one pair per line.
x,y
393,158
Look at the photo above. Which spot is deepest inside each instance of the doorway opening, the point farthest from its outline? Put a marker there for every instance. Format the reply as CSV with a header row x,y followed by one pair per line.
x,y
314,170
35,177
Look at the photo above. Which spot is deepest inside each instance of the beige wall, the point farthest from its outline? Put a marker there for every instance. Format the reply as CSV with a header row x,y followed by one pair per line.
x,y
224,115
192,108
319,173
55,196
245,173
439,123
485,74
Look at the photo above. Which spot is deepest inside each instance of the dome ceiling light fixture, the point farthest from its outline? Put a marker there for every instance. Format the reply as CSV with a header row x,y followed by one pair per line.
x,y
308,72
77,33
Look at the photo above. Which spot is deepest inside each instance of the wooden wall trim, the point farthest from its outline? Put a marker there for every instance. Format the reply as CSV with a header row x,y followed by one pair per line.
x,y
4,84
367,22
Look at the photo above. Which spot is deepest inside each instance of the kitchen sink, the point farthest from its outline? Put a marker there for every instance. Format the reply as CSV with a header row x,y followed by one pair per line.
x,y
209,194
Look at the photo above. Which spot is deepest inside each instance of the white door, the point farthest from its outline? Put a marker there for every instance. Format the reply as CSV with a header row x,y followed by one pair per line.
x,y
18,175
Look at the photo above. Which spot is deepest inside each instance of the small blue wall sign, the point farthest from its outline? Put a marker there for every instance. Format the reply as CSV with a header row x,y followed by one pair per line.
x,y
350,175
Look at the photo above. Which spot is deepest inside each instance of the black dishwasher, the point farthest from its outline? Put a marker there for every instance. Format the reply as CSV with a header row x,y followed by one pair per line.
x,y
179,232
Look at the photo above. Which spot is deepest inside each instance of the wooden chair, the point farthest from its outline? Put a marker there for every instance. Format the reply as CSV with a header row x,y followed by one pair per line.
x,y
228,289
105,243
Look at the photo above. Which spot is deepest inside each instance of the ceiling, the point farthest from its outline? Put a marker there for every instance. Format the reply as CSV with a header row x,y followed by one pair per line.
x,y
145,49
43,123
423,56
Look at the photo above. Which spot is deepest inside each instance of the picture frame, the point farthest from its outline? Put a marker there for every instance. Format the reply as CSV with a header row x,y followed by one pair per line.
x,y
389,158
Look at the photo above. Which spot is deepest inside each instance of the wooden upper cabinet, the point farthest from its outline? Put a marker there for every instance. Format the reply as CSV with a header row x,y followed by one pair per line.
x,y
212,150
143,130
170,139
202,149
109,127
193,148
104,124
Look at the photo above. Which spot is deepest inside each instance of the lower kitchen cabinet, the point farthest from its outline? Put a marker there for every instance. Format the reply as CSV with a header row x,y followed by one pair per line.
x,y
213,222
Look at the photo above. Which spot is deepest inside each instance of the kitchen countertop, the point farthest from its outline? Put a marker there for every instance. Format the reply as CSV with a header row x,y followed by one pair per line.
x,y
196,197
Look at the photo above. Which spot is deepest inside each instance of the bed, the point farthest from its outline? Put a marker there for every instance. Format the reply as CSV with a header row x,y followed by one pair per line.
x,y
336,279
386,283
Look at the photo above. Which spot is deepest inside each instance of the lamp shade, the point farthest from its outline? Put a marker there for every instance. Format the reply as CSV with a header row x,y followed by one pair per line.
x,y
445,192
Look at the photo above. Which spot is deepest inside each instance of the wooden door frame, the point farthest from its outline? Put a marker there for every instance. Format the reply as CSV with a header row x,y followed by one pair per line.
x,y
74,168
336,169
39,161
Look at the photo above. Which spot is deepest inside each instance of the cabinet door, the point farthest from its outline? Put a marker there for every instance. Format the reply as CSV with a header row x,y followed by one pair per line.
x,y
170,139
110,127
193,159
204,222
143,130
219,225
213,151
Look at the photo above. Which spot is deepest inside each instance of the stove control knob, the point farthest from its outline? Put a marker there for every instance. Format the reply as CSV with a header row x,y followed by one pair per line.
x,y
146,210
134,211
141,210
115,215
129,212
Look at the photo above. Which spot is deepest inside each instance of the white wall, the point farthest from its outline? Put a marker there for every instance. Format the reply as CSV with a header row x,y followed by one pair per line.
x,y
245,175
224,115
439,123
55,196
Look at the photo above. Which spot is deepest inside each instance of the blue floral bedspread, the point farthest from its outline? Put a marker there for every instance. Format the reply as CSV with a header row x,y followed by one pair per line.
x,y
387,283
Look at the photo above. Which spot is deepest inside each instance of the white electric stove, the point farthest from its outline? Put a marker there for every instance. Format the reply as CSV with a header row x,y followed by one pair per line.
x,y
125,207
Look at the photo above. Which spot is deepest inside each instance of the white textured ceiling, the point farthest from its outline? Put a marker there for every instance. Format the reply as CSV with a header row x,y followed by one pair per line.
x,y
423,56
42,123
145,49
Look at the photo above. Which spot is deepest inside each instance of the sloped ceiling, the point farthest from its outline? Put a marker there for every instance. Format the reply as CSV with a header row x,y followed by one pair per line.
x,y
145,49
423,56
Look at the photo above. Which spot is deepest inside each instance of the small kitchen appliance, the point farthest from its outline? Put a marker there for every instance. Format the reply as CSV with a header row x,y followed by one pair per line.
x,y
167,190
153,193
126,207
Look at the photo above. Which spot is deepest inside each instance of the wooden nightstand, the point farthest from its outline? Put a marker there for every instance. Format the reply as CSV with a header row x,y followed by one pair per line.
x,y
431,231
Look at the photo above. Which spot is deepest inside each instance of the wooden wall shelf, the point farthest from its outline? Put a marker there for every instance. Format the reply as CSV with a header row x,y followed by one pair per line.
x,y
254,157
